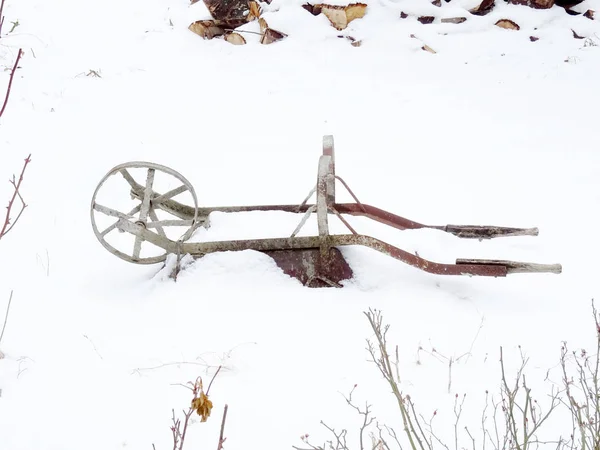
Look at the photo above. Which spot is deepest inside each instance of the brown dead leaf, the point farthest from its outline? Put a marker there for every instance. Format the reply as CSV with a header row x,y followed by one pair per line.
x,y
507,24
589,14
534,38
576,36
203,406
207,29
426,19
235,38
403,15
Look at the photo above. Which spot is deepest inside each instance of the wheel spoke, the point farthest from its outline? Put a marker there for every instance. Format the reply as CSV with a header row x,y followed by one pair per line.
x,y
147,195
114,225
111,212
109,229
137,246
129,179
170,223
170,194
156,223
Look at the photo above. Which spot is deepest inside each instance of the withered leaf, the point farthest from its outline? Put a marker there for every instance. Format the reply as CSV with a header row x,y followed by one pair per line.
x,y
203,406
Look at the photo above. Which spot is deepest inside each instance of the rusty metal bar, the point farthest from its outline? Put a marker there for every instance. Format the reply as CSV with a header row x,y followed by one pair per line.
x,y
358,209
351,192
490,268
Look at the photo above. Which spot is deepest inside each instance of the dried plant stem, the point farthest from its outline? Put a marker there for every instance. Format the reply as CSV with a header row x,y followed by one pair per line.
x,y
11,78
221,438
7,226
6,316
1,16
382,361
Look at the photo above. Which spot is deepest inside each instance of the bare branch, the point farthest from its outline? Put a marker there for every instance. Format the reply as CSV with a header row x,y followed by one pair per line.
x,y
11,77
6,316
221,438
7,226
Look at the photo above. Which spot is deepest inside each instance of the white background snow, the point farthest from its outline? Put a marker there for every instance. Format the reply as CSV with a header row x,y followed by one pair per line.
x,y
493,129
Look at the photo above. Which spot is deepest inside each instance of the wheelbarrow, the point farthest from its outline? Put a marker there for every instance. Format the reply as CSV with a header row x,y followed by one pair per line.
x,y
160,225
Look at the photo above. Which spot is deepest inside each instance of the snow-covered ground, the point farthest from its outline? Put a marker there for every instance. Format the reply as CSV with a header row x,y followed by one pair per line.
x,y
492,129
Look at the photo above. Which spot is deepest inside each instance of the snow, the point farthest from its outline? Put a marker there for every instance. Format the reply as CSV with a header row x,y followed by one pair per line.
x,y
493,129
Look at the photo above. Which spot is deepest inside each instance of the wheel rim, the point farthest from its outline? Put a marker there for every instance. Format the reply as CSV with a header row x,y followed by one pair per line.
x,y
145,213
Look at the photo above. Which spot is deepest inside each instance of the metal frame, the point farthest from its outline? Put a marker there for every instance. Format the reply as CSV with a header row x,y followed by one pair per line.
x,y
324,243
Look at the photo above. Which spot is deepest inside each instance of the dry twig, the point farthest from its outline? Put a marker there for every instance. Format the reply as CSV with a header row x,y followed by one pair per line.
x,y
221,438
11,78
8,223
6,316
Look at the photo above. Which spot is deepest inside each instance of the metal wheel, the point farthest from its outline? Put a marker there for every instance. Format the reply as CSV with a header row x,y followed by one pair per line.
x,y
109,206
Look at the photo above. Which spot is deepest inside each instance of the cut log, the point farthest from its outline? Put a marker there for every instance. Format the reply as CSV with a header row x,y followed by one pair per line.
x,y
270,35
589,14
426,19
255,11
315,10
567,3
454,20
235,38
536,4
484,8
233,13
341,16
427,48
507,24
263,25
207,29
